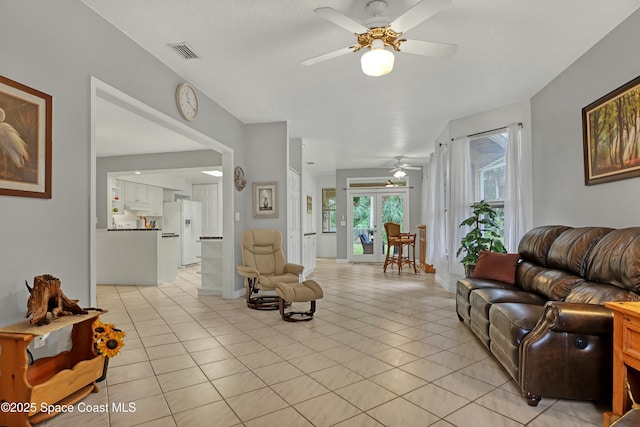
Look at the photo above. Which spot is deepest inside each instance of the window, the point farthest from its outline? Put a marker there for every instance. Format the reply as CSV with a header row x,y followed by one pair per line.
x,y
488,166
328,210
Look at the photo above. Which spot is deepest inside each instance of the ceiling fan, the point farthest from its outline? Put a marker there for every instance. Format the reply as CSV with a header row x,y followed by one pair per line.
x,y
378,61
400,167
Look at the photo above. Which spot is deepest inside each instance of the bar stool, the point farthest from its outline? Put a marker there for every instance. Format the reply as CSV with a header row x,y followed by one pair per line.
x,y
397,241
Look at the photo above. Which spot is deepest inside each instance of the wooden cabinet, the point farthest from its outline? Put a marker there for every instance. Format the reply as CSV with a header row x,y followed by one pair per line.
x,y
59,380
626,356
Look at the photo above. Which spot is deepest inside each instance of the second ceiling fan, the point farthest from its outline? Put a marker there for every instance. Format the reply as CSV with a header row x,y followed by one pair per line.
x,y
378,61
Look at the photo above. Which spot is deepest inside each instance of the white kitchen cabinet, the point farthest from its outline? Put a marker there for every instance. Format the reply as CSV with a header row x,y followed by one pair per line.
x,y
135,193
155,200
211,198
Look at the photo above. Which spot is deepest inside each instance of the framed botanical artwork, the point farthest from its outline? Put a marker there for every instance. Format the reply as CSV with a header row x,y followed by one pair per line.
x,y
25,141
610,131
265,200
309,204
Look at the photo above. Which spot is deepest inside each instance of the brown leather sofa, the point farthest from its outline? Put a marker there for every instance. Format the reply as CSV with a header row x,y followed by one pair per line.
x,y
550,330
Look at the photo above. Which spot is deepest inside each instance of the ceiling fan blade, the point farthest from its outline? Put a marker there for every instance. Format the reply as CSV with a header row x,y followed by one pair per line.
x,y
413,168
326,56
420,47
341,20
419,13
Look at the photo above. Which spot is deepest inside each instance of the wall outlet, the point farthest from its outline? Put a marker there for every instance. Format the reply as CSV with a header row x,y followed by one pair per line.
x,y
40,341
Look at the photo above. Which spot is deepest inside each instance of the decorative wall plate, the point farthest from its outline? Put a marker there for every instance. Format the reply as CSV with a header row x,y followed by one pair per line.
x,y
239,179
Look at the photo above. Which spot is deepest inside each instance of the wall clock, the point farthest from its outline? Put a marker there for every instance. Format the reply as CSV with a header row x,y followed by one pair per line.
x,y
187,101
239,179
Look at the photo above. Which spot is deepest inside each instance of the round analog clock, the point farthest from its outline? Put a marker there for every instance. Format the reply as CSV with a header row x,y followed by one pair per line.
x,y
187,101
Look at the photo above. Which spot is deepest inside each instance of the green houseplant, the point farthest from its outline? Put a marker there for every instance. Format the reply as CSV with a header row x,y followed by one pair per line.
x,y
483,236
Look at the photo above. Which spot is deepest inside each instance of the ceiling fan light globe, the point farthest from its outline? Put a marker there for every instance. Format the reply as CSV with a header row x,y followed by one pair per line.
x,y
399,174
377,62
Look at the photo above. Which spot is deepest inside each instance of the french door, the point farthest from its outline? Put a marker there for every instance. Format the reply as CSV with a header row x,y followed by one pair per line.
x,y
366,215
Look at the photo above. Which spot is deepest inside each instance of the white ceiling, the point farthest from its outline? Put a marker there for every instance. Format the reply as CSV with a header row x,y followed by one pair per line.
x,y
250,52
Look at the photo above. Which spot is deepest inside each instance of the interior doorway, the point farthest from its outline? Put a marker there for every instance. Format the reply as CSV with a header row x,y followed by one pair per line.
x,y
368,211
103,91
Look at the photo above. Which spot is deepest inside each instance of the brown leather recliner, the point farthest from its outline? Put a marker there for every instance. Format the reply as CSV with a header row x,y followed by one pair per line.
x,y
550,330
264,266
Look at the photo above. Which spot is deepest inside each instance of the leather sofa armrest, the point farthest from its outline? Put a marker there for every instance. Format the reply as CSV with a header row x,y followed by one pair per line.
x,y
248,272
293,269
575,318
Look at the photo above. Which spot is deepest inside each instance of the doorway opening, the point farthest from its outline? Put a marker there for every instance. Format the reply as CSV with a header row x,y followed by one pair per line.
x,y
369,208
100,92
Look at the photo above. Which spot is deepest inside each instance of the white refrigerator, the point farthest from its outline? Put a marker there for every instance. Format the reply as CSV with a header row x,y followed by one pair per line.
x,y
184,217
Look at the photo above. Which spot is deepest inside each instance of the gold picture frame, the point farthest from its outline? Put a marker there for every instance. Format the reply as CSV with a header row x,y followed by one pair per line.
x,y
610,129
265,200
25,140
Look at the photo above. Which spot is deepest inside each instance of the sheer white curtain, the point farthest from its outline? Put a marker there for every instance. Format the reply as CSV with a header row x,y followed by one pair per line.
x,y
460,199
436,244
518,212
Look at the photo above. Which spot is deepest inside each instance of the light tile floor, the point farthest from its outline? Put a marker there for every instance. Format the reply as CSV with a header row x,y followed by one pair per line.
x,y
383,350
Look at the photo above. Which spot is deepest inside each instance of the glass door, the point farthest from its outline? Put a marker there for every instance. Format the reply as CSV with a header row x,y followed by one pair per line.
x,y
368,212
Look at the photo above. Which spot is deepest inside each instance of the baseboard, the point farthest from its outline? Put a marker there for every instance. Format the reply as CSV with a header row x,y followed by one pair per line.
x,y
238,293
342,261
442,282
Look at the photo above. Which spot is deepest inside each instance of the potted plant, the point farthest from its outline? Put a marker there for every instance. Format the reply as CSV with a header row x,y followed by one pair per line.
x,y
483,236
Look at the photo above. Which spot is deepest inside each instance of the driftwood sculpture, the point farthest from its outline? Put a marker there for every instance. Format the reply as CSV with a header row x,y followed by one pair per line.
x,y
46,296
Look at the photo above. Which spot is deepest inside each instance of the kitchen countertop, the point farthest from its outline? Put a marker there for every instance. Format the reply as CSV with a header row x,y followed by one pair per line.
x,y
134,229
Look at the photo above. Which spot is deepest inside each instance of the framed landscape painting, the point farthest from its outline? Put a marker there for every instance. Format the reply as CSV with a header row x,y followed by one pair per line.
x,y
611,135
25,141
265,200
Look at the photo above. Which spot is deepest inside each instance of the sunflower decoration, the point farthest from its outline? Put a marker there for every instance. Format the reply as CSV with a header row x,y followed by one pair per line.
x,y
107,339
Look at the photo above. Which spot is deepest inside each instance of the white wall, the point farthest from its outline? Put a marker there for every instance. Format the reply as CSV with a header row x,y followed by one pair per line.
x,y
326,242
60,46
266,161
559,193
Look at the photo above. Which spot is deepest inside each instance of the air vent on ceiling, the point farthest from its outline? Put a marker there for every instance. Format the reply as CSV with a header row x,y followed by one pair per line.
x,y
185,50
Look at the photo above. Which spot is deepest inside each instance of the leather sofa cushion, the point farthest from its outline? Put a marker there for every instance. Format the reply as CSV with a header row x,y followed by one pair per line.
x,y
599,293
570,249
614,259
496,266
465,286
535,244
514,320
554,284
482,299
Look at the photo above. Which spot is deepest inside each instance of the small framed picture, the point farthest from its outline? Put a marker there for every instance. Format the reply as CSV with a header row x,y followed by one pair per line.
x,y
265,200
309,204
